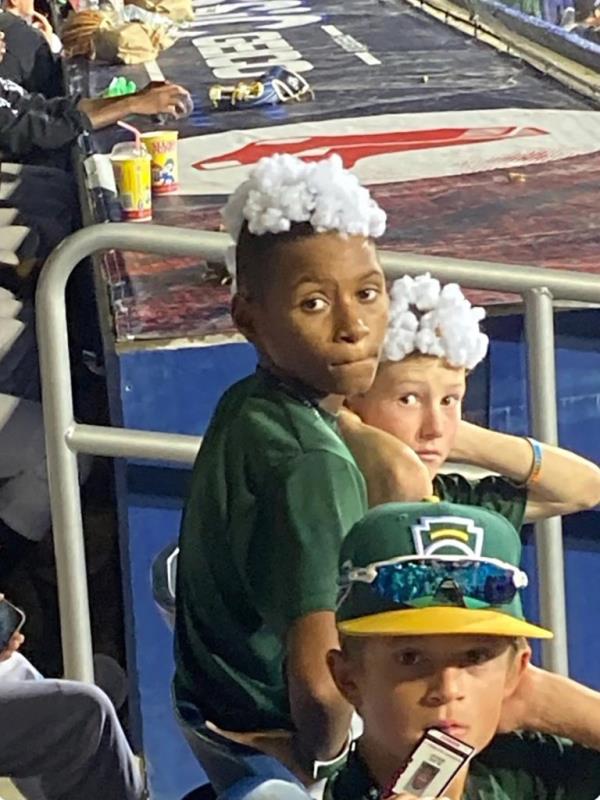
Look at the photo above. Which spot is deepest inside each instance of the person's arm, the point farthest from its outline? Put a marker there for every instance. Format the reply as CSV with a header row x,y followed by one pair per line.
x,y
552,704
52,124
392,470
309,504
320,713
567,482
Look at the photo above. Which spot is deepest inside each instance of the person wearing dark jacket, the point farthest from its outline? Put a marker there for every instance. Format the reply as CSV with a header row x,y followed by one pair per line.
x,y
29,59
31,125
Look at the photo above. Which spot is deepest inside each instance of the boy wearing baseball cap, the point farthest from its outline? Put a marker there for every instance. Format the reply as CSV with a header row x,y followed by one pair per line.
x,y
432,637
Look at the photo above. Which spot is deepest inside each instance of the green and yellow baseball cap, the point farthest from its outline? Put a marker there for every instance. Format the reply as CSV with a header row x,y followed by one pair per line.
x,y
432,568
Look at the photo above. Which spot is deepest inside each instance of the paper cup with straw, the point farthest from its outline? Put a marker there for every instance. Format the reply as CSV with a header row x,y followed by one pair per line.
x,y
162,146
131,164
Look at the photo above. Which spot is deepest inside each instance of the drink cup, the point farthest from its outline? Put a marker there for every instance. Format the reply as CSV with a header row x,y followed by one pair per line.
x,y
162,146
133,178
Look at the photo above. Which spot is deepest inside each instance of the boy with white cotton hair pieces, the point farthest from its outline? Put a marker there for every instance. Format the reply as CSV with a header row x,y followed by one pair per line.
x,y
274,488
432,343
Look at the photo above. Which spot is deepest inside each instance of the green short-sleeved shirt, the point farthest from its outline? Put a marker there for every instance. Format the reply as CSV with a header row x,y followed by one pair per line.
x,y
525,766
492,492
274,491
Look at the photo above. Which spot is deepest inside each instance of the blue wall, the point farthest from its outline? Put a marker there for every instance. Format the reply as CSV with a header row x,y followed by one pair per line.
x,y
174,391
578,386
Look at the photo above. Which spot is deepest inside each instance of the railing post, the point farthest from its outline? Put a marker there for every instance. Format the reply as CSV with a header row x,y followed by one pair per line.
x,y
539,327
63,473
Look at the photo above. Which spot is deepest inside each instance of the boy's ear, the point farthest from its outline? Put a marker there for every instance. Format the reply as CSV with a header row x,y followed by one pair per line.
x,y
241,311
521,662
343,670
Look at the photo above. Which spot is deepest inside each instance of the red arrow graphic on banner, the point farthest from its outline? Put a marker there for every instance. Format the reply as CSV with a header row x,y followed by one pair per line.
x,y
353,147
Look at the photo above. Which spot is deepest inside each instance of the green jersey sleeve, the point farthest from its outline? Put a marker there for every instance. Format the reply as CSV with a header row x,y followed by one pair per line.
x,y
534,765
492,492
305,512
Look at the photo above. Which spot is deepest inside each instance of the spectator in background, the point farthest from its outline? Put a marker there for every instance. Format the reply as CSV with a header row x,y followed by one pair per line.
x,y
24,495
32,49
61,740
40,131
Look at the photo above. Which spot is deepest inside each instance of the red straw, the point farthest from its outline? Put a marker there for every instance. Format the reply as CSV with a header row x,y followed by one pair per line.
x,y
136,133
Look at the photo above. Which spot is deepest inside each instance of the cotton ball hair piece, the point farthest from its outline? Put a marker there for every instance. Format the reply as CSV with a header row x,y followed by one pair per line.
x,y
283,189
433,320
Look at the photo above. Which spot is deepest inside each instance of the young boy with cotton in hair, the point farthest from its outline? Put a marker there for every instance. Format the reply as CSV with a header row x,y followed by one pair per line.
x,y
432,343
274,488
432,636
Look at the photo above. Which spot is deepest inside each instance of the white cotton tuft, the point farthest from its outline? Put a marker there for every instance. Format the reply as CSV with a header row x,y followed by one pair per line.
x,y
283,189
448,328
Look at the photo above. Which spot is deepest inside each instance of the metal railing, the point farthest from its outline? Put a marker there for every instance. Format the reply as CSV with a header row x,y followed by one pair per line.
x,y
65,437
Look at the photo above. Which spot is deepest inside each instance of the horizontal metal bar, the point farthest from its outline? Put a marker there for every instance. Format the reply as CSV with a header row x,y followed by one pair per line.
x,y
496,277
211,245
128,443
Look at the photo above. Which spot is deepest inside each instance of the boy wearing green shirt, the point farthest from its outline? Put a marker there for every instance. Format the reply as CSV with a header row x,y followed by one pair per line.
x,y
274,487
433,636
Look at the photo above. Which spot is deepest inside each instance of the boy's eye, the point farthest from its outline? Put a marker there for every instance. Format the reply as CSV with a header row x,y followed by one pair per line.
x,y
369,295
451,400
478,656
314,304
408,400
408,658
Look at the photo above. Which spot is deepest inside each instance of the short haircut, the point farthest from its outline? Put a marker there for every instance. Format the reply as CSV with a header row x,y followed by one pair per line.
x,y
256,256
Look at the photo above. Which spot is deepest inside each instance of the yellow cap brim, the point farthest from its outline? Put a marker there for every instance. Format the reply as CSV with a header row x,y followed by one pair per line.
x,y
438,620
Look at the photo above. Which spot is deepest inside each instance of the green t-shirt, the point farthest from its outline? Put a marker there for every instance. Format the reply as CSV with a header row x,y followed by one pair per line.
x,y
523,766
274,491
492,492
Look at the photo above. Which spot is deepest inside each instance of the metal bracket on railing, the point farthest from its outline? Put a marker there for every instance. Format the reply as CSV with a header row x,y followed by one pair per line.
x,y
64,437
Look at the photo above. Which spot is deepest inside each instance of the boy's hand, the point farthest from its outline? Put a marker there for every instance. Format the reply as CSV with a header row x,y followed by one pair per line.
x,y
392,470
162,98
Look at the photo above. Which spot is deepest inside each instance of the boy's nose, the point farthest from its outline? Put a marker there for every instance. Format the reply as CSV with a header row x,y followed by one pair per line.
x,y
431,424
446,686
351,327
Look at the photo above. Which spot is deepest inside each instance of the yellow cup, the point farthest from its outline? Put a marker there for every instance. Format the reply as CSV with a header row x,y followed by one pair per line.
x,y
133,179
162,146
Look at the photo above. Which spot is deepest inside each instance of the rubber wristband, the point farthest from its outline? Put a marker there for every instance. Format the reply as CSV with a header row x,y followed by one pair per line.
x,y
536,467
326,769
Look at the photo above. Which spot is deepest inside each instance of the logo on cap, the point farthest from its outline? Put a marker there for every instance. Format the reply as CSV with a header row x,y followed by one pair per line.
x,y
448,535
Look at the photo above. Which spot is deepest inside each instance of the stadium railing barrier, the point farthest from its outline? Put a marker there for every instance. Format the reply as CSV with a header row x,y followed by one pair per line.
x,y
65,437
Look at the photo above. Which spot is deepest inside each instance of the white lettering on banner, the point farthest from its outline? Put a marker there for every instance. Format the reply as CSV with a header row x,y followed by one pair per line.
x,y
245,55
248,53
267,15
